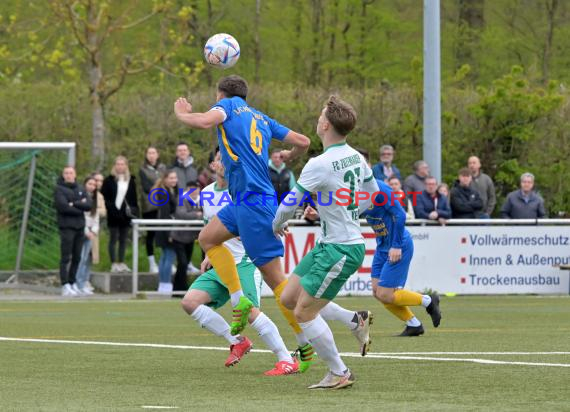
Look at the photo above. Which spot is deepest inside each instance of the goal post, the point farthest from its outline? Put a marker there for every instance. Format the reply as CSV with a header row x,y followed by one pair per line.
x,y
28,226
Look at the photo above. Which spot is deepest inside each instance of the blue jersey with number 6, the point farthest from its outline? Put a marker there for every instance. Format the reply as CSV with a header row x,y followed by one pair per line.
x,y
244,138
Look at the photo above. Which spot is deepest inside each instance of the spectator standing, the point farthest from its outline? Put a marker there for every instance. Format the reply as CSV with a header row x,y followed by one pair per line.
x,y
416,181
483,184
149,173
431,204
524,203
208,174
102,213
396,186
91,231
443,189
183,165
71,203
183,241
281,176
465,200
120,193
384,169
167,198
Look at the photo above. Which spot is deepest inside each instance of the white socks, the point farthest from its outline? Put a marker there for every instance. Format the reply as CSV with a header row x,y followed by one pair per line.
x,y
426,300
212,321
270,335
332,311
321,337
414,322
301,339
234,297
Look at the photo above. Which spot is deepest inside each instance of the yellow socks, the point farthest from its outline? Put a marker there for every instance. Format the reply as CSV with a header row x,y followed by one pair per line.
x,y
401,312
286,312
223,261
406,298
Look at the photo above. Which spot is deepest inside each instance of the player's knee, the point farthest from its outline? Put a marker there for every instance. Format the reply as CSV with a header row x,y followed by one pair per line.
x,y
253,315
204,242
287,300
301,315
384,295
189,304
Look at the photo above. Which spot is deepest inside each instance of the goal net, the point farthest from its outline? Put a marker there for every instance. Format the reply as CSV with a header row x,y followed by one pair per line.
x,y
29,237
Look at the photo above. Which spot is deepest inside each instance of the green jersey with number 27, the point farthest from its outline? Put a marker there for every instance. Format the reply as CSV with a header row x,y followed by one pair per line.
x,y
339,167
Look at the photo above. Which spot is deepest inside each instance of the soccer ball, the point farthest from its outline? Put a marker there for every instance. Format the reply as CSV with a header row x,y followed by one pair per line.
x,y
221,50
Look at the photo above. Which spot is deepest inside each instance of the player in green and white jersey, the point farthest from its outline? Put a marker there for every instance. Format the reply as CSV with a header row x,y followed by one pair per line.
x,y
334,175
208,291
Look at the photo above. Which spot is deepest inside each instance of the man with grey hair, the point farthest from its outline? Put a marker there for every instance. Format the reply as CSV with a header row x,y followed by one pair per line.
x,y
416,182
384,169
483,184
524,203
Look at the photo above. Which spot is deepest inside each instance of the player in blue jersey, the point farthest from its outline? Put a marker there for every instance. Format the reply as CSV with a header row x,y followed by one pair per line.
x,y
391,263
244,135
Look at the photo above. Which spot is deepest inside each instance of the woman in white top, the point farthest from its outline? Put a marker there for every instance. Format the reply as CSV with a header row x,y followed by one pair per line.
x,y
120,193
91,232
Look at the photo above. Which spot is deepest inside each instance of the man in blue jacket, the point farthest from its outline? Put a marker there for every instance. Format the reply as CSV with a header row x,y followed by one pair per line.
x,y
384,169
524,203
432,205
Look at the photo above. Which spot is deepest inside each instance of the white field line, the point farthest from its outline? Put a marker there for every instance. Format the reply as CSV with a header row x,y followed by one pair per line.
x,y
469,353
393,355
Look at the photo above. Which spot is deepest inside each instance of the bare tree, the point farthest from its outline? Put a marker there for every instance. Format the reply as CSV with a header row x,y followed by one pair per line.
x,y
316,18
332,40
93,24
298,6
470,25
256,45
551,8
363,35
535,23
201,29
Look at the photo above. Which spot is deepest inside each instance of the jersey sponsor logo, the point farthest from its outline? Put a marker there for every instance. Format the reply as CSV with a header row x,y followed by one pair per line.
x,y
346,162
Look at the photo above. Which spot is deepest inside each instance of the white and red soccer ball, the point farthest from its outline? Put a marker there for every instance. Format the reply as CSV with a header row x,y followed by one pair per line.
x,y
222,51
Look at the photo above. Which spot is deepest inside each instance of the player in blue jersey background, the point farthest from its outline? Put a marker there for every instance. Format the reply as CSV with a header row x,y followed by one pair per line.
x,y
244,135
391,263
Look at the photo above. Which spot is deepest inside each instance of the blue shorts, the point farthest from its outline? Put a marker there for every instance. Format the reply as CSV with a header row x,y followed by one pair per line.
x,y
254,225
392,275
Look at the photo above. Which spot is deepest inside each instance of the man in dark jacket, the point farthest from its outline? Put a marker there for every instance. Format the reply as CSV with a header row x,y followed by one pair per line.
x,y
466,202
183,165
71,203
281,176
483,184
524,203
432,205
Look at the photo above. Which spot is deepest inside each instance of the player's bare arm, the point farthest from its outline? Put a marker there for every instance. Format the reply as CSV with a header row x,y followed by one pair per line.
x,y
183,111
300,144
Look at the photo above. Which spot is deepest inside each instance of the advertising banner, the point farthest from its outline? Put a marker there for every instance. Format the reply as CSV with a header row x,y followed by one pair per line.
x,y
463,259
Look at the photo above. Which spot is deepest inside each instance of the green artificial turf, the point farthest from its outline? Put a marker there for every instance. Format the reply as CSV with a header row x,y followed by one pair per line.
x,y
60,376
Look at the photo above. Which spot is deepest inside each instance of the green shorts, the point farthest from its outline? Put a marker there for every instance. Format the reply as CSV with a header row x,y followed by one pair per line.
x,y
326,268
250,279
